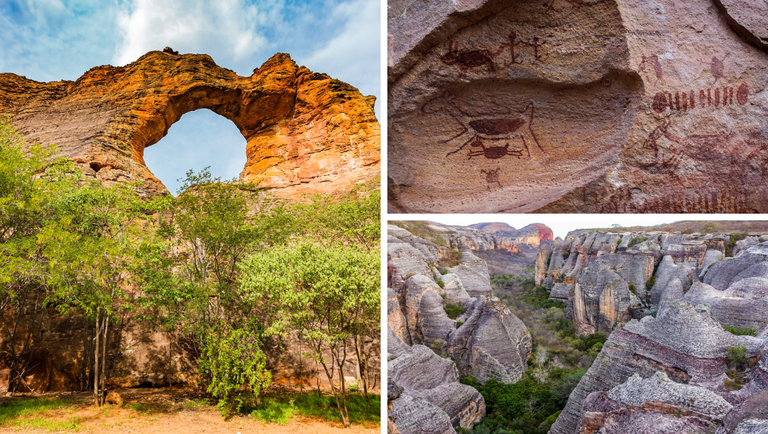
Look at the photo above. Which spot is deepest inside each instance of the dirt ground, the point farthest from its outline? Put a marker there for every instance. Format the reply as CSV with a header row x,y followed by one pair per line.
x,y
161,411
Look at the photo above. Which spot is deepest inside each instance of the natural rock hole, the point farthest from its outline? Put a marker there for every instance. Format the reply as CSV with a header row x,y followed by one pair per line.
x,y
199,139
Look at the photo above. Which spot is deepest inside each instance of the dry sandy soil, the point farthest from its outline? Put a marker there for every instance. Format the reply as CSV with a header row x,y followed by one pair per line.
x,y
163,412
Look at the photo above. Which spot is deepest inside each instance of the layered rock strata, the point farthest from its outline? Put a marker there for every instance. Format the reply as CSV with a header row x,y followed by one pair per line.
x,y
663,375
577,106
682,371
305,132
486,340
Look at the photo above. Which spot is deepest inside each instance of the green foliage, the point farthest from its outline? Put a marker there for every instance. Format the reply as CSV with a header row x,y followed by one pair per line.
x,y
454,310
459,324
421,229
562,389
741,331
12,410
632,288
453,259
352,219
526,406
324,294
232,359
274,412
737,356
440,283
636,240
566,255
315,406
70,243
650,282
736,236
539,296
688,231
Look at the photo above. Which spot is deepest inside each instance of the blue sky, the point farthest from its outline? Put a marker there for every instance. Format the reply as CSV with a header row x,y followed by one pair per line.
x,y
47,40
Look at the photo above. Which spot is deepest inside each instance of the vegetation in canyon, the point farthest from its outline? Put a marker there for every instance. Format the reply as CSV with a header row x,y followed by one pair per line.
x,y
559,360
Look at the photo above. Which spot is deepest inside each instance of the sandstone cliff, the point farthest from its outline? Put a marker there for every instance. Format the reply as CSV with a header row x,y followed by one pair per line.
x,y
577,106
483,339
305,132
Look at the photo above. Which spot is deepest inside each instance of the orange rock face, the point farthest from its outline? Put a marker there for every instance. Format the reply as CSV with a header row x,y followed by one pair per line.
x,y
305,132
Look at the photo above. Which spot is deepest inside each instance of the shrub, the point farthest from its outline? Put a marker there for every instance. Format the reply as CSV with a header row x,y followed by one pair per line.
x,y
741,331
737,356
637,240
441,284
566,255
454,258
454,311
687,231
632,288
230,360
649,284
459,323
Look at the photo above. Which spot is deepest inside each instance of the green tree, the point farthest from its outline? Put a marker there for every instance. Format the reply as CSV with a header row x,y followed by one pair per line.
x,y
190,280
88,252
352,219
319,293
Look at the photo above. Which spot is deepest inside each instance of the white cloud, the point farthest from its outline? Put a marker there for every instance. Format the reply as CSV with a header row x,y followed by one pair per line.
x,y
226,27
352,54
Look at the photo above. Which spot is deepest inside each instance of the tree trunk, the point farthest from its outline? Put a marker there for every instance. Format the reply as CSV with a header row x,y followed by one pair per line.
x,y
362,364
104,361
96,363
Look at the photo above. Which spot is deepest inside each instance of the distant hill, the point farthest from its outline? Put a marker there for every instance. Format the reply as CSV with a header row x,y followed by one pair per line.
x,y
757,226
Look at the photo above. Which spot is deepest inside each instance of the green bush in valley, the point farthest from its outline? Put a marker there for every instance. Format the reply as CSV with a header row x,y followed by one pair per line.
x,y
649,284
637,240
741,331
453,310
737,356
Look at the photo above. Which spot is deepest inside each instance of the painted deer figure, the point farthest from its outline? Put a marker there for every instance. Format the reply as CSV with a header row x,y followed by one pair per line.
x,y
470,59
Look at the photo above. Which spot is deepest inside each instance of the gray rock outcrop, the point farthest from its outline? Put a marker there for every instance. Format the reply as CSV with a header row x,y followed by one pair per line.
x,y
486,341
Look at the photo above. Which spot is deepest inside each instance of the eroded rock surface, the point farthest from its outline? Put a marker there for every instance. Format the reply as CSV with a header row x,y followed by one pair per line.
x,y
685,351
486,340
578,106
649,370
606,279
305,132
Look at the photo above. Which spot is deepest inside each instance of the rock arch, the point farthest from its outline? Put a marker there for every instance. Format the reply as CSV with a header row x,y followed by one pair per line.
x,y
305,132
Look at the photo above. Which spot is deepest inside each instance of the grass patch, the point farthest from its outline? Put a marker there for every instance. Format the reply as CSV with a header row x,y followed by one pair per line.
x,y
274,412
276,408
29,413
